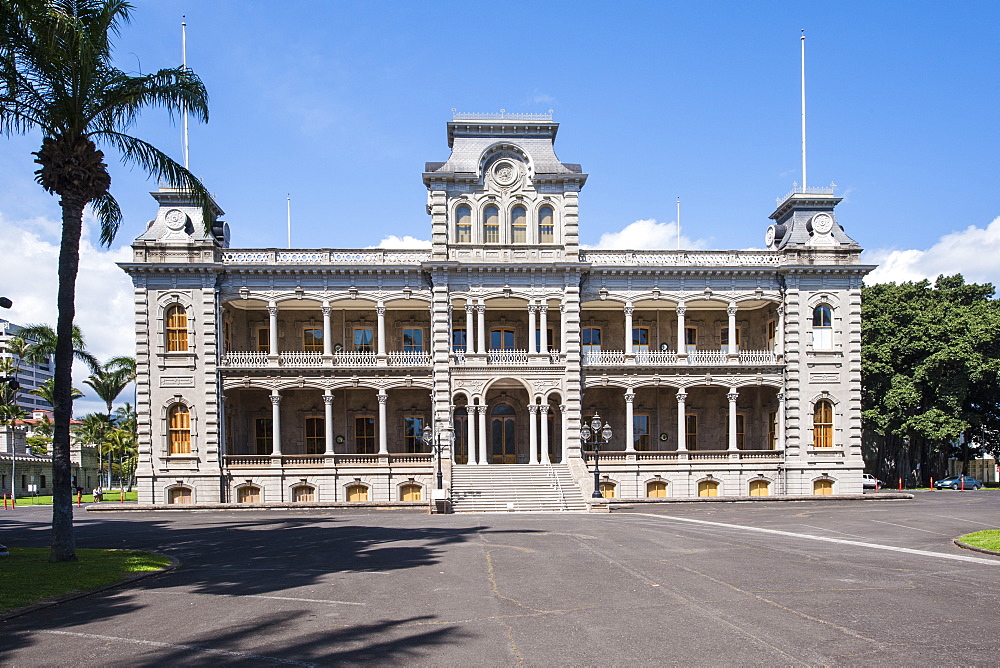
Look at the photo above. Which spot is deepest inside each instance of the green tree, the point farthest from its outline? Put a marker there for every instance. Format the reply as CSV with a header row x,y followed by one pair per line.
x,y
57,77
110,380
47,391
41,437
931,374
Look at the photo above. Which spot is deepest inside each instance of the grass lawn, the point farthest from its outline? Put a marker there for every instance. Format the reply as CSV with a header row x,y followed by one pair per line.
x,y
112,496
989,539
27,577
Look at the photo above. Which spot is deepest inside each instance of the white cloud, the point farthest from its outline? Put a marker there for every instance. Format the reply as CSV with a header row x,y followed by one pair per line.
x,y
973,252
405,241
646,234
104,304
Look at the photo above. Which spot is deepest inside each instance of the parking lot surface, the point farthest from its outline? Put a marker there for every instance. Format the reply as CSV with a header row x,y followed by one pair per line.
x,y
834,583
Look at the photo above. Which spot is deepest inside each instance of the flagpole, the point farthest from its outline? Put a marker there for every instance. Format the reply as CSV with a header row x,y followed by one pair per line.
x,y
803,41
678,223
289,220
184,61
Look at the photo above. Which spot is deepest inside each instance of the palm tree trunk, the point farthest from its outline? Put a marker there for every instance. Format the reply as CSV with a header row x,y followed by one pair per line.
x,y
63,541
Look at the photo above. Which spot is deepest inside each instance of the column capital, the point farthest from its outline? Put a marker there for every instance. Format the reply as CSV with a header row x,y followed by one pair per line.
x,y
275,399
543,308
780,310
481,308
681,309
532,308
543,408
681,396
733,396
327,398
380,310
629,309
469,307
533,408
272,310
629,396
382,397
780,396
732,309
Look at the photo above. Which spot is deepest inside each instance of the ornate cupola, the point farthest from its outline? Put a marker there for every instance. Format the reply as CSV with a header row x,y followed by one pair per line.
x,y
503,195
178,231
805,218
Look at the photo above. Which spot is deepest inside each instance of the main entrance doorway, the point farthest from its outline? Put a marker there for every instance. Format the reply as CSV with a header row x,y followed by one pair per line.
x,y
502,431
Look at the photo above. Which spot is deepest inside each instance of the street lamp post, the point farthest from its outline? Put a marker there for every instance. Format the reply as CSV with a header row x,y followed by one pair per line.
x,y
431,442
598,433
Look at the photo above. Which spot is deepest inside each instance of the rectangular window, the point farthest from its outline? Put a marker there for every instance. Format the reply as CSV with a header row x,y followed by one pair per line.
x,y
363,339
463,226
640,432
740,431
413,340
263,429
546,225
691,339
640,339
312,339
502,339
364,434
491,225
772,335
177,329
724,341
263,339
315,433
458,340
180,430
413,429
590,340
42,485
519,225
691,432
772,430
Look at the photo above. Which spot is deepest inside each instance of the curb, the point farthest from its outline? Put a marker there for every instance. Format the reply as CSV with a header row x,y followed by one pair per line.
x,y
281,505
966,546
623,504
57,600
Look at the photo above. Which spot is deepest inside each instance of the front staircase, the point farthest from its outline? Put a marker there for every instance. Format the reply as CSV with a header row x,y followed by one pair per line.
x,y
514,487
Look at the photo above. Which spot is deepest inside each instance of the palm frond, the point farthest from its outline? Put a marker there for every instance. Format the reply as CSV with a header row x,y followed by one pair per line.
x,y
109,215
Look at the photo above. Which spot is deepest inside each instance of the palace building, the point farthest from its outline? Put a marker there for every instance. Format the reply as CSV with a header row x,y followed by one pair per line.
x,y
333,375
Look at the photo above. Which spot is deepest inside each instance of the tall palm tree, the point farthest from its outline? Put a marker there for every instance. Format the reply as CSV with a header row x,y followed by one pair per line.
x,y
47,391
57,76
108,381
36,343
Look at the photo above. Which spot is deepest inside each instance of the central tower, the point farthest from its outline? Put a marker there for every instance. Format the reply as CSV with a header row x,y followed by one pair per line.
x,y
503,195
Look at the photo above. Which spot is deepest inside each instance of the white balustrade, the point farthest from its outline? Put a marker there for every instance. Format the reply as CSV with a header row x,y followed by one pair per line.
x,y
301,358
353,358
363,257
507,357
458,359
244,359
655,357
400,358
758,357
603,357
713,357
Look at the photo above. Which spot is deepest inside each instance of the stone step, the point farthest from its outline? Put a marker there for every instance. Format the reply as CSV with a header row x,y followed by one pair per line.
x,y
515,487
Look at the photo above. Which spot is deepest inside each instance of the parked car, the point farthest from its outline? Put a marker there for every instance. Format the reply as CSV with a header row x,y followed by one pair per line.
x,y
958,482
869,481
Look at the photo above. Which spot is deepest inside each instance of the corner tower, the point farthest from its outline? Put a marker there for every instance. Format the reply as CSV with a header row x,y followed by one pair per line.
x,y
503,195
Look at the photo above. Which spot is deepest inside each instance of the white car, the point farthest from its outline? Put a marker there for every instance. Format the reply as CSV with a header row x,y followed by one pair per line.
x,y
869,481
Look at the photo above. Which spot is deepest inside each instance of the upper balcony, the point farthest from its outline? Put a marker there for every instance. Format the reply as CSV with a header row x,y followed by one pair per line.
x,y
669,358
298,359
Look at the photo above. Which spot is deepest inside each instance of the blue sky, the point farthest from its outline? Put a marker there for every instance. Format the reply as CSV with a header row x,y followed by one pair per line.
x,y
339,105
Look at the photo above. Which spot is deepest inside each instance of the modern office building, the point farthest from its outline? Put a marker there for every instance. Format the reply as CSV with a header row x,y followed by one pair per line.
x,y
312,375
29,375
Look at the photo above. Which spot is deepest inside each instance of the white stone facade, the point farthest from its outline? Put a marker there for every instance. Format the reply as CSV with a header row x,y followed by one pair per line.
x,y
306,375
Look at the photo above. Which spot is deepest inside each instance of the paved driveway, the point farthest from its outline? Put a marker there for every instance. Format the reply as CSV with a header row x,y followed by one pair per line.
x,y
848,583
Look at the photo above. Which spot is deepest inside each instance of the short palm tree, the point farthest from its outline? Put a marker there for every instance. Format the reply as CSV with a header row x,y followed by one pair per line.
x,y
57,76
109,380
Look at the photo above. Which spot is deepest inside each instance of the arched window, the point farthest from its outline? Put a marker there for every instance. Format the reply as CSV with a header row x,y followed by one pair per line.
x,y
409,492
546,225
180,496
708,488
656,489
303,494
519,225
823,424
823,487
179,429
357,493
463,224
608,489
177,329
248,494
491,225
823,327
760,488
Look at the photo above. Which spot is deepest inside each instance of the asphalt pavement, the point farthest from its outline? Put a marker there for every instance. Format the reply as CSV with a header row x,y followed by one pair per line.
x,y
801,583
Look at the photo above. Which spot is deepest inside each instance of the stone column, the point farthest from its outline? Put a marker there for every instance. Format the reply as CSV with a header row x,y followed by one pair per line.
x,y
681,422
779,334
681,344
732,396
532,329
380,344
327,334
484,455
562,328
328,421
543,328
532,433
272,331
731,312
470,429
481,327
780,436
628,329
470,341
383,435
629,422
564,421
543,411
275,423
